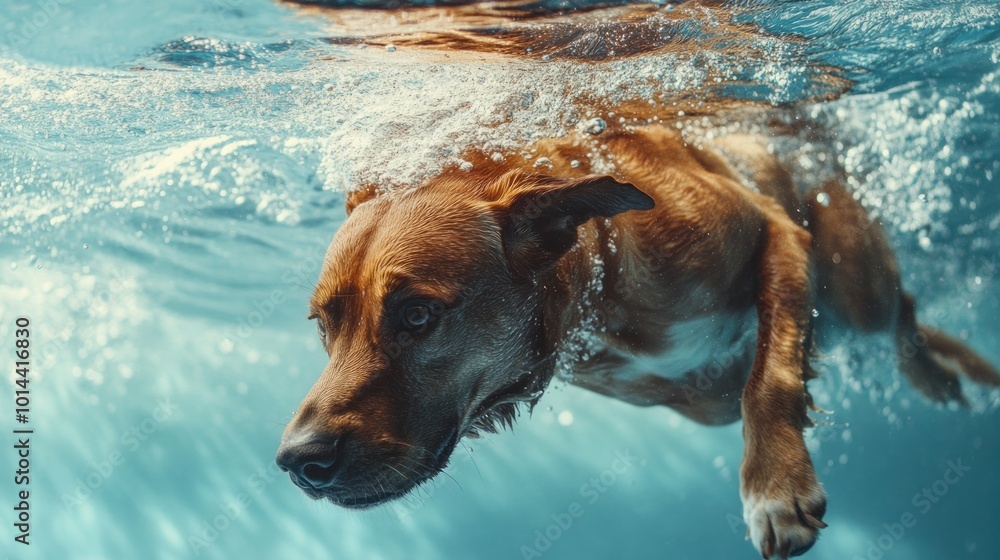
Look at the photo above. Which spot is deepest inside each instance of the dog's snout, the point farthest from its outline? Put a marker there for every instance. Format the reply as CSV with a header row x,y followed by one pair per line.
x,y
312,460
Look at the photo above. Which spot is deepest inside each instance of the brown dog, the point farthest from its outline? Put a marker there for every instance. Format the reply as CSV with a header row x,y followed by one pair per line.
x,y
631,257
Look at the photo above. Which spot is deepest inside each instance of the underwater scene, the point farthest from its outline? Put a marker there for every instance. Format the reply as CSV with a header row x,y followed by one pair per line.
x,y
172,175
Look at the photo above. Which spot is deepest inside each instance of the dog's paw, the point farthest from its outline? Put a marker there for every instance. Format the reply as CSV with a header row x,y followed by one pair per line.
x,y
785,521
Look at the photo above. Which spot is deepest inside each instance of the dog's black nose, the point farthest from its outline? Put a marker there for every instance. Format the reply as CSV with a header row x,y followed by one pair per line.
x,y
312,461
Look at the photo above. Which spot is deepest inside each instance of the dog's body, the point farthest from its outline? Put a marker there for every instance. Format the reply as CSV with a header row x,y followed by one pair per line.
x,y
671,280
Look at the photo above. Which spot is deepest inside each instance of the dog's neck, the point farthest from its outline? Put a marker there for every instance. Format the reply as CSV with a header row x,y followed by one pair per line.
x,y
578,294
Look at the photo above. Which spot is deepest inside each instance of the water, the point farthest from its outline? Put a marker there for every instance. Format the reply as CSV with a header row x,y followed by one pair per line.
x,y
172,172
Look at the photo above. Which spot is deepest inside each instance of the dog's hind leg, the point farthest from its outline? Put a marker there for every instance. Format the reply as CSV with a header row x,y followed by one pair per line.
x,y
935,360
858,281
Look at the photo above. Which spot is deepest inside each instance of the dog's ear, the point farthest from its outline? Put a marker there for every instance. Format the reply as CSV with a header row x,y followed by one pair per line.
x,y
539,222
363,193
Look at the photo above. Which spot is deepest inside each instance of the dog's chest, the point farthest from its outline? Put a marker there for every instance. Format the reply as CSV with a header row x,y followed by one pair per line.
x,y
710,344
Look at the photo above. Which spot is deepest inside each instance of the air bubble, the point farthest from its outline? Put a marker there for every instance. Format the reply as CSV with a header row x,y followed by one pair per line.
x,y
595,126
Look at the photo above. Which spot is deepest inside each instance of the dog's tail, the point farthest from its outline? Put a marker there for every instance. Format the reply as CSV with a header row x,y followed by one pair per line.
x,y
933,361
950,351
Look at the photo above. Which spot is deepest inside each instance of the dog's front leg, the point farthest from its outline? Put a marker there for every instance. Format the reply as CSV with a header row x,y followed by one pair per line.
x,y
783,503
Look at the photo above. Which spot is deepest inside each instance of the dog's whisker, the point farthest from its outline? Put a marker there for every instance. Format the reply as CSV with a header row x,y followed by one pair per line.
x,y
412,477
306,288
468,452
417,474
380,479
401,475
446,473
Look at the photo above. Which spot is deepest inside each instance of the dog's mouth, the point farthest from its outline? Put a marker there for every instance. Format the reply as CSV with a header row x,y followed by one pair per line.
x,y
500,409
365,502
496,411
390,482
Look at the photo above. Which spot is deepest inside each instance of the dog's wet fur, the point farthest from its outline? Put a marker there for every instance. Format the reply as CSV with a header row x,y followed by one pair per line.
x,y
444,308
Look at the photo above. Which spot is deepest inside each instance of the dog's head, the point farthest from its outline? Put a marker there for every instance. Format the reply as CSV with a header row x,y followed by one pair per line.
x,y
430,306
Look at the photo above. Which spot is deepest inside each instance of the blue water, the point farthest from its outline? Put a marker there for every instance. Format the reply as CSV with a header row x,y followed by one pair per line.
x,y
171,173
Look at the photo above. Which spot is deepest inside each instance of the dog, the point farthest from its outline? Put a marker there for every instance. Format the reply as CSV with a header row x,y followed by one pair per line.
x,y
444,307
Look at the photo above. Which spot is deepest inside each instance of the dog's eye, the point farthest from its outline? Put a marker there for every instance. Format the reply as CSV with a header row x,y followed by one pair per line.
x,y
416,315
